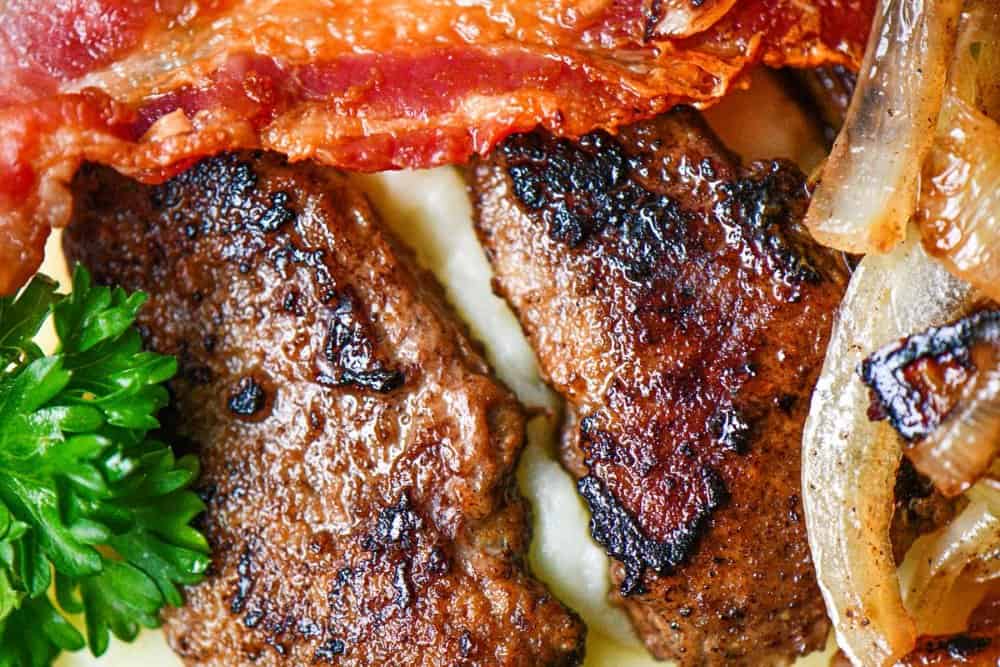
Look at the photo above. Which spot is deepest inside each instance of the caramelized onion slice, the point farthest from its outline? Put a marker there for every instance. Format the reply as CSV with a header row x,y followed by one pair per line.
x,y
943,571
962,447
959,213
849,463
975,67
987,568
869,185
959,209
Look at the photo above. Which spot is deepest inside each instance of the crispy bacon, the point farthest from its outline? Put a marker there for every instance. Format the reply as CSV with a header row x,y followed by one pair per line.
x,y
149,86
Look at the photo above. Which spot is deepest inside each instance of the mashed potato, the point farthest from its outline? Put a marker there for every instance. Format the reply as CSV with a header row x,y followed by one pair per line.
x,y
431,212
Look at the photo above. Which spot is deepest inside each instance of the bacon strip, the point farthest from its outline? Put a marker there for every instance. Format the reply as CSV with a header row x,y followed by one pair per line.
x,y
149,86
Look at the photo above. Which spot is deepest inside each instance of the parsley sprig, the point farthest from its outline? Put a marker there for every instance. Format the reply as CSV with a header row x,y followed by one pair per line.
x,y
94,515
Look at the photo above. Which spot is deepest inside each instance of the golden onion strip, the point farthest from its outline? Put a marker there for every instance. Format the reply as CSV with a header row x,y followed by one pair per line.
x,y
959,219
850,463
959,208
962,447
975,66
869,185
959,211
937,564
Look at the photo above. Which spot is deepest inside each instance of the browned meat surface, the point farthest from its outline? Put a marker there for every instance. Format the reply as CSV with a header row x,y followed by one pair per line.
x,y
356,450
675,302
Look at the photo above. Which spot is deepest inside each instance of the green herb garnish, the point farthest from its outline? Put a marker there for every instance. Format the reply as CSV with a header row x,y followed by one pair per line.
x,y
94,516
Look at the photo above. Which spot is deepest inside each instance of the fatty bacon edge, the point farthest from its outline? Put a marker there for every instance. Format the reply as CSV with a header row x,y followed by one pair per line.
x,y
150,87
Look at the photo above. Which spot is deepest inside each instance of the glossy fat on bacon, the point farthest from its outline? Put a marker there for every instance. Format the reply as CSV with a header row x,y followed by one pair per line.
x,y
150,87
357,453
675,301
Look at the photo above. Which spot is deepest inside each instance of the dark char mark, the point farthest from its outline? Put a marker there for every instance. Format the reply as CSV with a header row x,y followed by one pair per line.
x,y
249,398
761,203
231,183
329,650
581,189
244,583
256,227
730,429
592,187
903,402
397,526
619,533
350,348
250,223
963,647
277,215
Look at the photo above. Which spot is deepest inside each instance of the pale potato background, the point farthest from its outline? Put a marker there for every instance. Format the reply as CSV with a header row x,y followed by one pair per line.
x,y
430,210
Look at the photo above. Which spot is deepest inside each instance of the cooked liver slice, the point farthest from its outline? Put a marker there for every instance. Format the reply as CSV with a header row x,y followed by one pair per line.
x,y
676,302
357,451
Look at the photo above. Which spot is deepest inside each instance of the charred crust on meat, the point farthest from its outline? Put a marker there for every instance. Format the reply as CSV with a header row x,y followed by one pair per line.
x,y
351,348
401,585
277,215
329,650
291,302
396,526
227,179
343,578
619,533
249,219
465,644
963,647
244,581
730,429
592,188
252,618
245,216
438,563
763,202
895,377
585,189
287,253
248,399
600,446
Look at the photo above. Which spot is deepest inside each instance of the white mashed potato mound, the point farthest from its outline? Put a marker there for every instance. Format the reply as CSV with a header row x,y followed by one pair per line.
x,y
431,212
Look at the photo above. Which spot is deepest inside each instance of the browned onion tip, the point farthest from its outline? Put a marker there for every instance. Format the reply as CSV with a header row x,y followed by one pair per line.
x,y
959,209
868,188
945,574
960,450
849,463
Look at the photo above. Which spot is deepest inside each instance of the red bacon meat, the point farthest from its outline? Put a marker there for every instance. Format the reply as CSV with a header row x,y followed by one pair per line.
x,y
150,86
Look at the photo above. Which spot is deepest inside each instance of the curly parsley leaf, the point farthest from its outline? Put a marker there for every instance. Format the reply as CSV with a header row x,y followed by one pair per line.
x,y
88,502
